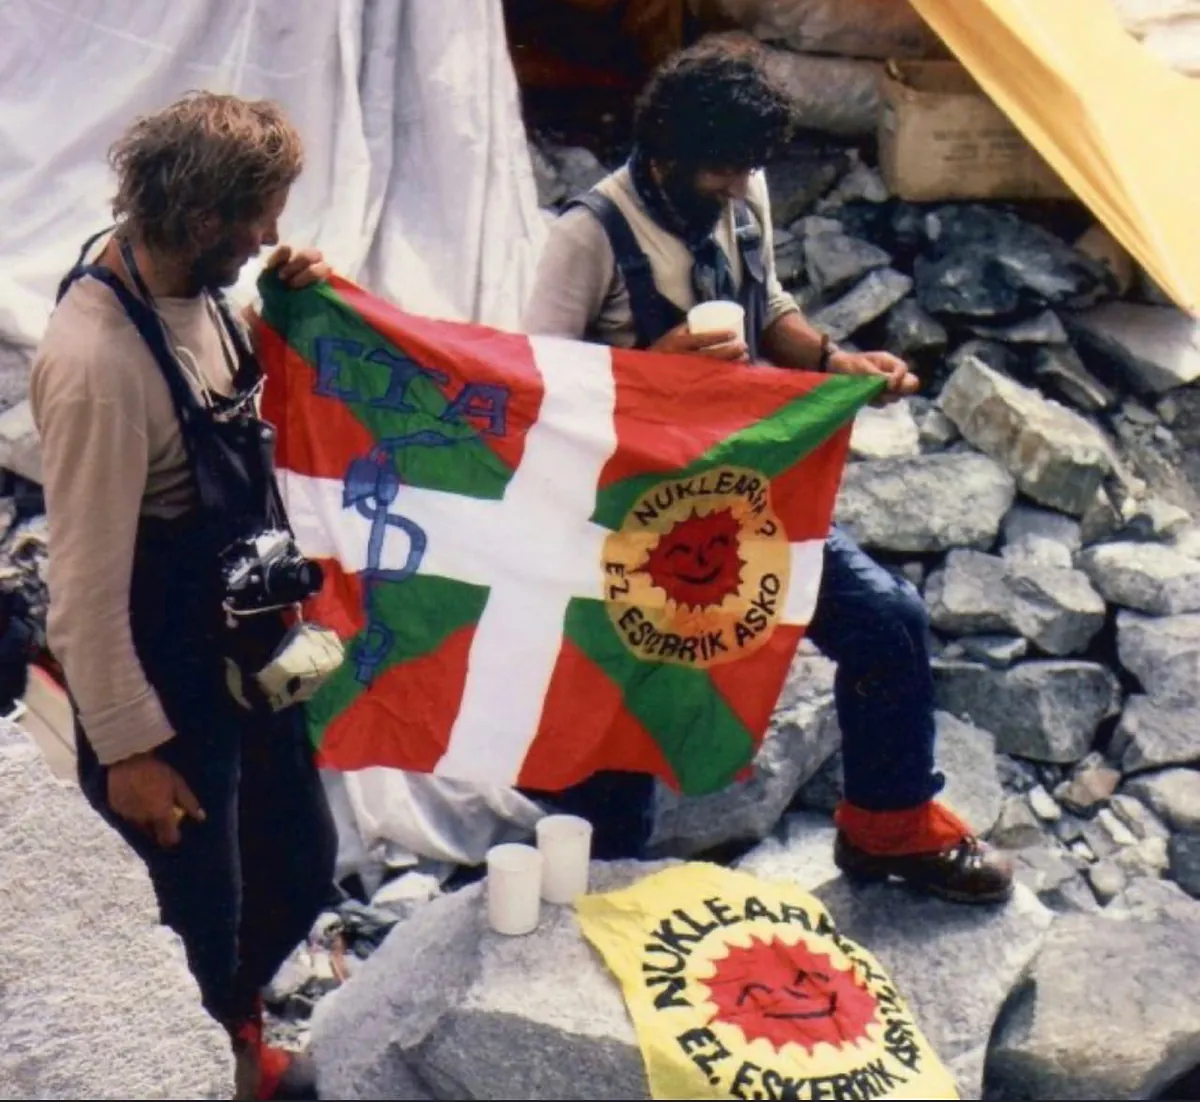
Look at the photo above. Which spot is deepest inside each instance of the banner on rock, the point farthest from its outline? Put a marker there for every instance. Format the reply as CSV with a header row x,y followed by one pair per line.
x,y
739,988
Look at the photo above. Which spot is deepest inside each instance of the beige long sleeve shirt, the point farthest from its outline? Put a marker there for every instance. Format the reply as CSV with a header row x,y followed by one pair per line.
x,y
580,294
111,454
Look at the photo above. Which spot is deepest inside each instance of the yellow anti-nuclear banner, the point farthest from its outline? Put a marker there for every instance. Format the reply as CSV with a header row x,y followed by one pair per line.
x,y
739,988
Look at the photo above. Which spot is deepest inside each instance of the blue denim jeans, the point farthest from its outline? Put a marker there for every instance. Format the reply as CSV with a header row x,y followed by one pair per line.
x,y
875,627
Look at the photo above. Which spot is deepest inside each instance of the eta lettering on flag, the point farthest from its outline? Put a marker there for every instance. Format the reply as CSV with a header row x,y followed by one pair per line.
x,y
545,557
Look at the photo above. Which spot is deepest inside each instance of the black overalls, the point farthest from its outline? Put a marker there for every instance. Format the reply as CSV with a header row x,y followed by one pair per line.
x,y
245,886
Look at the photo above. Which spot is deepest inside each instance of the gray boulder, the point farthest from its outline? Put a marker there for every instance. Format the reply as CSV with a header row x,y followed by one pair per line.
x,y
1046,711
1053,876
909,331
1044,328
1184,853
1140,820
1108,880
966,754
927,503
1056,608
1017,826
955,965
96,1000
835,261
1061,373
967,597
1163,653
1172,794
1148,859
801,853
1058,458
887,432
1032,534
1108,1011
1148,577
1156,521
874,296
998,651
1089,786
1153,734
803,735
1149,349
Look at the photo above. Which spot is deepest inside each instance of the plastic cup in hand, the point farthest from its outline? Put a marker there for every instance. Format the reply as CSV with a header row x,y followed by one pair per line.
x,y
514,889
718,316
565,843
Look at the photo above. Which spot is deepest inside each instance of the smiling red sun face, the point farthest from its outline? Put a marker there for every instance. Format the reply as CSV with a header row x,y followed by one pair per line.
x,y
697,562
787,994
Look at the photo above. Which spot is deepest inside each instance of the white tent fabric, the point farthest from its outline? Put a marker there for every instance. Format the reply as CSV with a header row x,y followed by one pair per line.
x,y
418,185
418,182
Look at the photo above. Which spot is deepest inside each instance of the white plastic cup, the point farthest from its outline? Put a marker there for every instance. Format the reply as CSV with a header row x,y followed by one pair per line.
x,y
718,316
514,886
565,843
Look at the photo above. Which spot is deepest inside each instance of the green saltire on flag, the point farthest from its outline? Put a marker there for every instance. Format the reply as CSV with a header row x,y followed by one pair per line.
x,y
519,604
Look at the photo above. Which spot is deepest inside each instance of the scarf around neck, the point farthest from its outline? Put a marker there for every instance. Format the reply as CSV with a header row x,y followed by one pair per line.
x,y
712,277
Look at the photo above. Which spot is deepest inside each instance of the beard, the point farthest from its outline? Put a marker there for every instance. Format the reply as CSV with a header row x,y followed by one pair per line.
x,y
698,212
216,268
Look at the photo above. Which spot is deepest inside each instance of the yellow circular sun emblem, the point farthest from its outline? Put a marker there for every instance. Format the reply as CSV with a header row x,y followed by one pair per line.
x,y
698,573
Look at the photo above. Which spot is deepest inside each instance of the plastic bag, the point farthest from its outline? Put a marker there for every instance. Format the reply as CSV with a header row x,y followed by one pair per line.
x,y
849,28
835,95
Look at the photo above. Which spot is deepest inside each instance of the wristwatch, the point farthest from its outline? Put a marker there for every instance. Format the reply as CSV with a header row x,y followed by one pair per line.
x,y
828,351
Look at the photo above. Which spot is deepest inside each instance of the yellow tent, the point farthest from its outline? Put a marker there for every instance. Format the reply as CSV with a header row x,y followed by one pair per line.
x,y
1121,128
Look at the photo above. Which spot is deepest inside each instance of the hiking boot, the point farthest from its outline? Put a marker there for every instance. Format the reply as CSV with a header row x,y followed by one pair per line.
x,y
970,871
264,1072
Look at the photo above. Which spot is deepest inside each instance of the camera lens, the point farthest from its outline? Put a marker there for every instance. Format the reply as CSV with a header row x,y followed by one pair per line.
x,y
311,576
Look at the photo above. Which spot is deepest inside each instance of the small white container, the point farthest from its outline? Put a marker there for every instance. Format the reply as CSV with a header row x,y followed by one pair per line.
x,y
565,843
718,316
514,889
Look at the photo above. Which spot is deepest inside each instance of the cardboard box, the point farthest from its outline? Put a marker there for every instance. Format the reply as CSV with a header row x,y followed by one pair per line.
x,y
941,137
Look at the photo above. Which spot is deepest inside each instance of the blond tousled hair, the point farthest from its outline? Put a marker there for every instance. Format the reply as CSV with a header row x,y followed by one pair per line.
x,y
205,154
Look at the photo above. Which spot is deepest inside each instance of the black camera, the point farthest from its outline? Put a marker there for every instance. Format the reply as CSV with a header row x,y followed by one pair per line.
x,y
267,571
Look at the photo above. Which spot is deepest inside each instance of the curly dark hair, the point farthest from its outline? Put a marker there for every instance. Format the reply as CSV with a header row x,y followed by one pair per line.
x,y
714,106
205,154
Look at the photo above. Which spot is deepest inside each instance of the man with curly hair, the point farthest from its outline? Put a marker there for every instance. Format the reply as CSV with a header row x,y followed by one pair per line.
x,y
688,220
225,806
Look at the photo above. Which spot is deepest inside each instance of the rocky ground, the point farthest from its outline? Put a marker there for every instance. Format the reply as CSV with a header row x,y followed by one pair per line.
x,y
1044,494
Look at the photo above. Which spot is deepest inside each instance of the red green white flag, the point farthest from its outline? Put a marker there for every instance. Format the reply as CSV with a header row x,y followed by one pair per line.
x,y
545,557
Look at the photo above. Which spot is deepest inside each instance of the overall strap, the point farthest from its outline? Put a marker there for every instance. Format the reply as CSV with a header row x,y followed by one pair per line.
x,y
754,275
150,330
193,419
653,313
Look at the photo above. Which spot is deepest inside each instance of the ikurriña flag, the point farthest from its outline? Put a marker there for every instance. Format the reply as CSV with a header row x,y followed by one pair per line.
x,y
547,558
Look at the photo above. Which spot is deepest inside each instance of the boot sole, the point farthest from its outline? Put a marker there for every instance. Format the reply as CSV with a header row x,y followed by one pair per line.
x,y
1002,895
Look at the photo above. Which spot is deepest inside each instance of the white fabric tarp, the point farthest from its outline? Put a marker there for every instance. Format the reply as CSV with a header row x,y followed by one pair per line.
x,y
418,182
418,185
